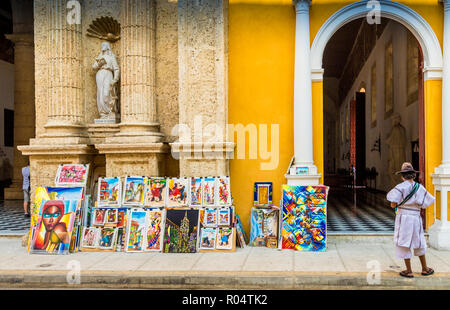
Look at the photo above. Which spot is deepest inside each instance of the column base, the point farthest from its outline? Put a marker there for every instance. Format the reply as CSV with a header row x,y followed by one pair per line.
x,y
439,236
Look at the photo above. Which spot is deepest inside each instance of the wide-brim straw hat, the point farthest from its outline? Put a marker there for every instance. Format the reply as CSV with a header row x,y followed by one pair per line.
x,y
407,167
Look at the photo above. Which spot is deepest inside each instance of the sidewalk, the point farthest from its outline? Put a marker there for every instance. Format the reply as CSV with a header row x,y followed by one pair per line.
x,y
343,265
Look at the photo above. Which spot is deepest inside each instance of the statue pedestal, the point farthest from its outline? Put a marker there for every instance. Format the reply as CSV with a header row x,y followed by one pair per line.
x,y
105,121
98,132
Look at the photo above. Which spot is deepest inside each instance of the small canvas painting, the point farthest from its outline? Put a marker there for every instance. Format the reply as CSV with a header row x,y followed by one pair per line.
x,y
154,231
109,191
181,231
223,191
209,194
111,216
210,217
224,239
107,238
263,194
90,237
196,192
136,231
224,217
155,192
208,238
72,175
133,193
99,217
178,191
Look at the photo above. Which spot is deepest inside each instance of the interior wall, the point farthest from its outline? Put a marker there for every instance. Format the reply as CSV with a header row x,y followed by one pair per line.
x,y
409,113
7,102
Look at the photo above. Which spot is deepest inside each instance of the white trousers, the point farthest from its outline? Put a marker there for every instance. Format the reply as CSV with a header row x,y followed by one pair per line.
x,y
405,253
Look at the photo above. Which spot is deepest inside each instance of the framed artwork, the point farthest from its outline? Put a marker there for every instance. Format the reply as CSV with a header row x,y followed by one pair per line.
x,y
99,217
155,192
196,192
270,223
133,194
304,221
72,175
223,191
107,238
242,237
181,230
223,217
109,192
121,217
155,231
210,217
209,193
263,194
224,239
90,237
65,193
136,230
111,216
208,238
53,231
256,228
178,192
388,80
120,239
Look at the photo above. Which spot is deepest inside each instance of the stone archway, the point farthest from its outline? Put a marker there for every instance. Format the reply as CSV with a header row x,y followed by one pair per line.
x,y
432,51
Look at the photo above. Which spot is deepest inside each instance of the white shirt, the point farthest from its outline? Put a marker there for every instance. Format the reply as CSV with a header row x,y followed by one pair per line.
x,y
421,199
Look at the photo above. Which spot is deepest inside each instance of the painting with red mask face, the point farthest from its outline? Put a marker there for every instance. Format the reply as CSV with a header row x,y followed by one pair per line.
x,y
54,227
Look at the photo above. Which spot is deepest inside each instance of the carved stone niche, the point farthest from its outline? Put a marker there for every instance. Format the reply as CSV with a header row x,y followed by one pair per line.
x,y
104,28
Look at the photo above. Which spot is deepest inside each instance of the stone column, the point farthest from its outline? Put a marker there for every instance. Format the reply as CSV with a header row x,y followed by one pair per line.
x,y
439,232
302,171
137,149
24,112
203,88
65,89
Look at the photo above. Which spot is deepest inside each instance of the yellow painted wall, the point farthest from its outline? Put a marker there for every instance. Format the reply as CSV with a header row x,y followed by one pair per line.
x,y
261,73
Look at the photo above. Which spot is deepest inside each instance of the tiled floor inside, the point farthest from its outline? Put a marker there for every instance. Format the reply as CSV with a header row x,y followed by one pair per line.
x,y
12,220
362,211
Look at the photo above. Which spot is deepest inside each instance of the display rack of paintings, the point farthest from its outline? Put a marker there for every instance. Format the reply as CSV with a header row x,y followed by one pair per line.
x,y
133,192
264,227
181,230
54,228
196,192
217,229
209,192
109,192
178,192
223,191
262,195
72,175
304,220
155,192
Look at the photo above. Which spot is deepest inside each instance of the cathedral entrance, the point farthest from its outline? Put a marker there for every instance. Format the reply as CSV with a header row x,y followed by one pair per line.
x,y
373,121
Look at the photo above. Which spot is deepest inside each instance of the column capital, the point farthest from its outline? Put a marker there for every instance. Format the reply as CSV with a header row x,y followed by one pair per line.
x,y
302,6
23,39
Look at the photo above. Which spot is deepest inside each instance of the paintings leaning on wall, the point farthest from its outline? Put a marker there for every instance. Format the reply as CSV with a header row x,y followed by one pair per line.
x,y
304,221
178,192
72,175
181,231
54,227
109,192
155,192
133,194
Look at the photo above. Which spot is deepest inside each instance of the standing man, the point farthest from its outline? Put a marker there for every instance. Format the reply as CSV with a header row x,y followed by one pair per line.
x,y
26,188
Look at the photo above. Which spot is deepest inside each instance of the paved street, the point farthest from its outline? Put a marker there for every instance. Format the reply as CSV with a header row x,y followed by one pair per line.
x,y
345,264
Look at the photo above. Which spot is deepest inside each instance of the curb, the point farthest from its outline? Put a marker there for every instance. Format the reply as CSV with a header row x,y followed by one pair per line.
x,y
216,280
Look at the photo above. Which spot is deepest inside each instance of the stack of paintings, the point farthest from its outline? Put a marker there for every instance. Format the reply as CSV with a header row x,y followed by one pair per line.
x,y
217,229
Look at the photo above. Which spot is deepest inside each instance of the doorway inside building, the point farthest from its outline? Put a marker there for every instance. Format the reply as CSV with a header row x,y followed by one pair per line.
x,y
373,121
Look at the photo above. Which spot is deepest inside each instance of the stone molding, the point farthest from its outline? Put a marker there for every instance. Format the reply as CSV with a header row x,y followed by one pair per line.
x,y
135,148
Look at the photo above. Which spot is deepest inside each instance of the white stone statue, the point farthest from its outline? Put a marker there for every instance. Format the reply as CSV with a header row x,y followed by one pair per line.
x,y
108,74
397,148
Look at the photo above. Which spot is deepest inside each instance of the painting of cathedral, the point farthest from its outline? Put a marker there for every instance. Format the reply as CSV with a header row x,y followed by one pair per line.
x,y
181,231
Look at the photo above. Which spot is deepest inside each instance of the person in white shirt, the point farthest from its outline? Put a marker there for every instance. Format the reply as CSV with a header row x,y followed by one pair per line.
x,y
409,198
26,189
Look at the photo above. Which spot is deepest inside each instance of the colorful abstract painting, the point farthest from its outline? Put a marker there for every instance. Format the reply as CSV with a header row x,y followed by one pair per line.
x,y
153,240
72,175
155,192
136,231
224,238
304,220
178,191
181,231
209,194
208,238
54,227
223,191
196,192
263,194
109,191
133,194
